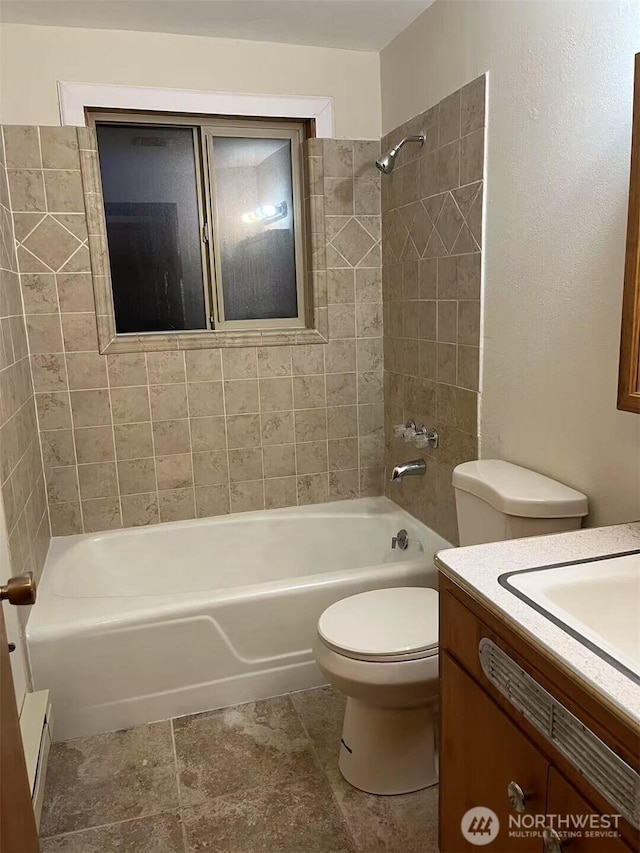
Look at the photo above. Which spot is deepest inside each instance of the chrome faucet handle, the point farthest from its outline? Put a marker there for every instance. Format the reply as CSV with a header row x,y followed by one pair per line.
x,y
401,540
409,432
426,437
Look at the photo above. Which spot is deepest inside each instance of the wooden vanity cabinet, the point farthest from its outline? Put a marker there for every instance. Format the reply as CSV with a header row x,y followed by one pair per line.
x,y
486,743
482,751
562,799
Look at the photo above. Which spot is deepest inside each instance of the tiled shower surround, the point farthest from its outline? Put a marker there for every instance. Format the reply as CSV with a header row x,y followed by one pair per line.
x,y
21,475
432,239
140,437
136,438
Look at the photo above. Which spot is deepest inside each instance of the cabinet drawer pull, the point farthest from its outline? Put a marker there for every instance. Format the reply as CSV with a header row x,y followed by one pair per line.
x,y
552,843
517,797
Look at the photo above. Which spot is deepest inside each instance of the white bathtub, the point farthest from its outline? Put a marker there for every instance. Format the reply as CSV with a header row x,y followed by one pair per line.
x,y
143,624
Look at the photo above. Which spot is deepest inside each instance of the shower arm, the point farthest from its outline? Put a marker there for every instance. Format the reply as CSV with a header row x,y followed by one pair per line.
x,y
420,138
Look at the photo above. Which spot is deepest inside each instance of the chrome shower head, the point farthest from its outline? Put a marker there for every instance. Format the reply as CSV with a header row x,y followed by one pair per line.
x,y
387,162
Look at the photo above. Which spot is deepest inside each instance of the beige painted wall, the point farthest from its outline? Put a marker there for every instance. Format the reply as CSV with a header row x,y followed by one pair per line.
x,y
559,125
33,59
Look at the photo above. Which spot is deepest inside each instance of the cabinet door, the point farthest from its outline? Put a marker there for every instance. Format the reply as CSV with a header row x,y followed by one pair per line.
x,y
481,752
566,809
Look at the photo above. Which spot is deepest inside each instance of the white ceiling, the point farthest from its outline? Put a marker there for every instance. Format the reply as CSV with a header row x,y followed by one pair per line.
x,y
351,24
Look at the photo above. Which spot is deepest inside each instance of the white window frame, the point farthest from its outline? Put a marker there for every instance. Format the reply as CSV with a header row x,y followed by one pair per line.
x,y
75,98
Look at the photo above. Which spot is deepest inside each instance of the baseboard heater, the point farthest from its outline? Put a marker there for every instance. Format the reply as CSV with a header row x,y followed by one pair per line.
x,y
36,728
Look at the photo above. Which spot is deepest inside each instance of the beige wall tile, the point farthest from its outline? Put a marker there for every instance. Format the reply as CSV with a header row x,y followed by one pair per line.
x,y
472,157
44,333
49,372
341,389
136,476
63,188
241,396
54,411
210,468
27,190
86,370
79,332
58,447
59,148
171,436
342,323
205,398
94,444
240,363
208,434
165,367
21,147
245,464
62,485
75,292
342,422
308,392
135,441
344,485
308,360
340,286
169,402
313,489
140,509
277,428
311,457
212,500
279,460
275,361
311,424
177,505
39,293
340,356
90,408
203,365
243,430
66,519
248,496
280,492
127,369
276,394
98,481
174,471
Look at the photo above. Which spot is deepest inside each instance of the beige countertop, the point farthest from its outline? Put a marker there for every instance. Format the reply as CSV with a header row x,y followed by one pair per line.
x,y
477,568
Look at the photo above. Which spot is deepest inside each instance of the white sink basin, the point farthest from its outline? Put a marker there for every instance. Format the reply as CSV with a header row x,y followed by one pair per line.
x,y
597,601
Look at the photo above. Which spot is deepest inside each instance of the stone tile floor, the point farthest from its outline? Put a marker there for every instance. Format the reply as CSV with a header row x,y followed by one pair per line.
x,y
260,777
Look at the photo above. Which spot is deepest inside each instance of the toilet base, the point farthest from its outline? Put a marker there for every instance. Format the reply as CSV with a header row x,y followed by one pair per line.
x,y
388,751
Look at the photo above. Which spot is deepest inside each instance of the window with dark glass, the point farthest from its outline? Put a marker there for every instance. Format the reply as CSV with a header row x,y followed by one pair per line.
x,y
203,223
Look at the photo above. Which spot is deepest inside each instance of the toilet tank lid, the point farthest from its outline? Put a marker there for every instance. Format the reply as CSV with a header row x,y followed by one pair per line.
x,y
518,491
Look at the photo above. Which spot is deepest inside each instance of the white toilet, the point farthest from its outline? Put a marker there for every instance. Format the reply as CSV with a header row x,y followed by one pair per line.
x,y
380,648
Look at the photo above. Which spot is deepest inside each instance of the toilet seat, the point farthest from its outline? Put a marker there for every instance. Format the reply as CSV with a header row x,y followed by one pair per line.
x,y
384,625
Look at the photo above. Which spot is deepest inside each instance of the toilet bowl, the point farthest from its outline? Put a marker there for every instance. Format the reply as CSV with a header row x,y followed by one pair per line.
x,y
380,648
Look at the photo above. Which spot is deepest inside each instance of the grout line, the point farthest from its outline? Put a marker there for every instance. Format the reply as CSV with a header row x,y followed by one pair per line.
x,y
186,392
321,767
73,832
183,827
113,439
224,415
153,441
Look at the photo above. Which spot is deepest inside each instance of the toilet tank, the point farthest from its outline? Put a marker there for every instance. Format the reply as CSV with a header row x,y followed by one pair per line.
x,y
496,500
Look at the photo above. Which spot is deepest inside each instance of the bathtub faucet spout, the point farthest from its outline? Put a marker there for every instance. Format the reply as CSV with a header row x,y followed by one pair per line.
x,y
414,468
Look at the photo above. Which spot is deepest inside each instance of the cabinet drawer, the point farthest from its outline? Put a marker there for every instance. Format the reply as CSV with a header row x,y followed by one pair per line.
x,y
482,752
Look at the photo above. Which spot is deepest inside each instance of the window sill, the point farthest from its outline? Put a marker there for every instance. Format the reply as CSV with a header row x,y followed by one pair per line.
x,y
155,341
